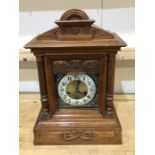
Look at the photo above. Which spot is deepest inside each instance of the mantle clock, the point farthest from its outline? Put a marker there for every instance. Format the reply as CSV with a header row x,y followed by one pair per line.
x,y
76,64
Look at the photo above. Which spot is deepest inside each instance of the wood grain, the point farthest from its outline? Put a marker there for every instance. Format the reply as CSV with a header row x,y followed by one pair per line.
x,y
29,108
123,54
42,81
76,38
102,81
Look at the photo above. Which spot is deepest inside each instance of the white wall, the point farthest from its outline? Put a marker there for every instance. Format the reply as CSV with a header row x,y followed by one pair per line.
x,y
120,20
46,5
124,77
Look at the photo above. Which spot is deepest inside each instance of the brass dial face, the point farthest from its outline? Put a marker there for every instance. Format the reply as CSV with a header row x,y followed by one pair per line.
x,y
76,89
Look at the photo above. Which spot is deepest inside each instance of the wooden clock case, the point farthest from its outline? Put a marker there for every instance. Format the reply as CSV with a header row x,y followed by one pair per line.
x,y
76,38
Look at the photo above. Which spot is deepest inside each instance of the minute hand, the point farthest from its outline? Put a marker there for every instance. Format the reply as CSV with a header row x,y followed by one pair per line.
x,y
77,87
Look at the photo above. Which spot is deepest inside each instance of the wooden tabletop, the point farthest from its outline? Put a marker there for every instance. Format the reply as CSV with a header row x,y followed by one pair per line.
x,y
29,108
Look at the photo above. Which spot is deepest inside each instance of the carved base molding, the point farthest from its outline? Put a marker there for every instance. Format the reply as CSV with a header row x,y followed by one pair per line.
x,y
77,134
77,130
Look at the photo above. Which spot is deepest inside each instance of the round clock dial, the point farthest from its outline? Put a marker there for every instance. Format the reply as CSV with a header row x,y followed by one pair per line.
x,y
76,89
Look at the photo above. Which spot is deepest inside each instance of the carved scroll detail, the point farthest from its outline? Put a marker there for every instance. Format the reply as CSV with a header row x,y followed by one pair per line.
x,y
75,30
75,134
75,64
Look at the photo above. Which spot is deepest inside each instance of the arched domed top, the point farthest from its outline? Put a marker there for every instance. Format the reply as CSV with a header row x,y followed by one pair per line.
x,y
74,17
74,14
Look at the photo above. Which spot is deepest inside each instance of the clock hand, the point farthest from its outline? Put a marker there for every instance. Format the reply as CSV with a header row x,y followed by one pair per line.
x,y
80,92
77,85
77,89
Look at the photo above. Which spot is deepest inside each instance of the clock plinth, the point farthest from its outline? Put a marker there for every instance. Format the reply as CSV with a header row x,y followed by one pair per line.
x,y
77,127
76,66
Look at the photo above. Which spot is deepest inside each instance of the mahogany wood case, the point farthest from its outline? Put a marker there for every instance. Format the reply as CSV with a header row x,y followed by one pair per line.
x,y
73,46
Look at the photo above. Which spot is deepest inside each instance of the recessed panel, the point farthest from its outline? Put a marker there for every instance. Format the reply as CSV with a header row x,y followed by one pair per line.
x,y
76,83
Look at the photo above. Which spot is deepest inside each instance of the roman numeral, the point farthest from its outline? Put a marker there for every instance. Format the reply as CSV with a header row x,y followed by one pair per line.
x,y
65,96
89,83
76,102
84,100
62,90
89,96
91,90
69,100
69,78
63,83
